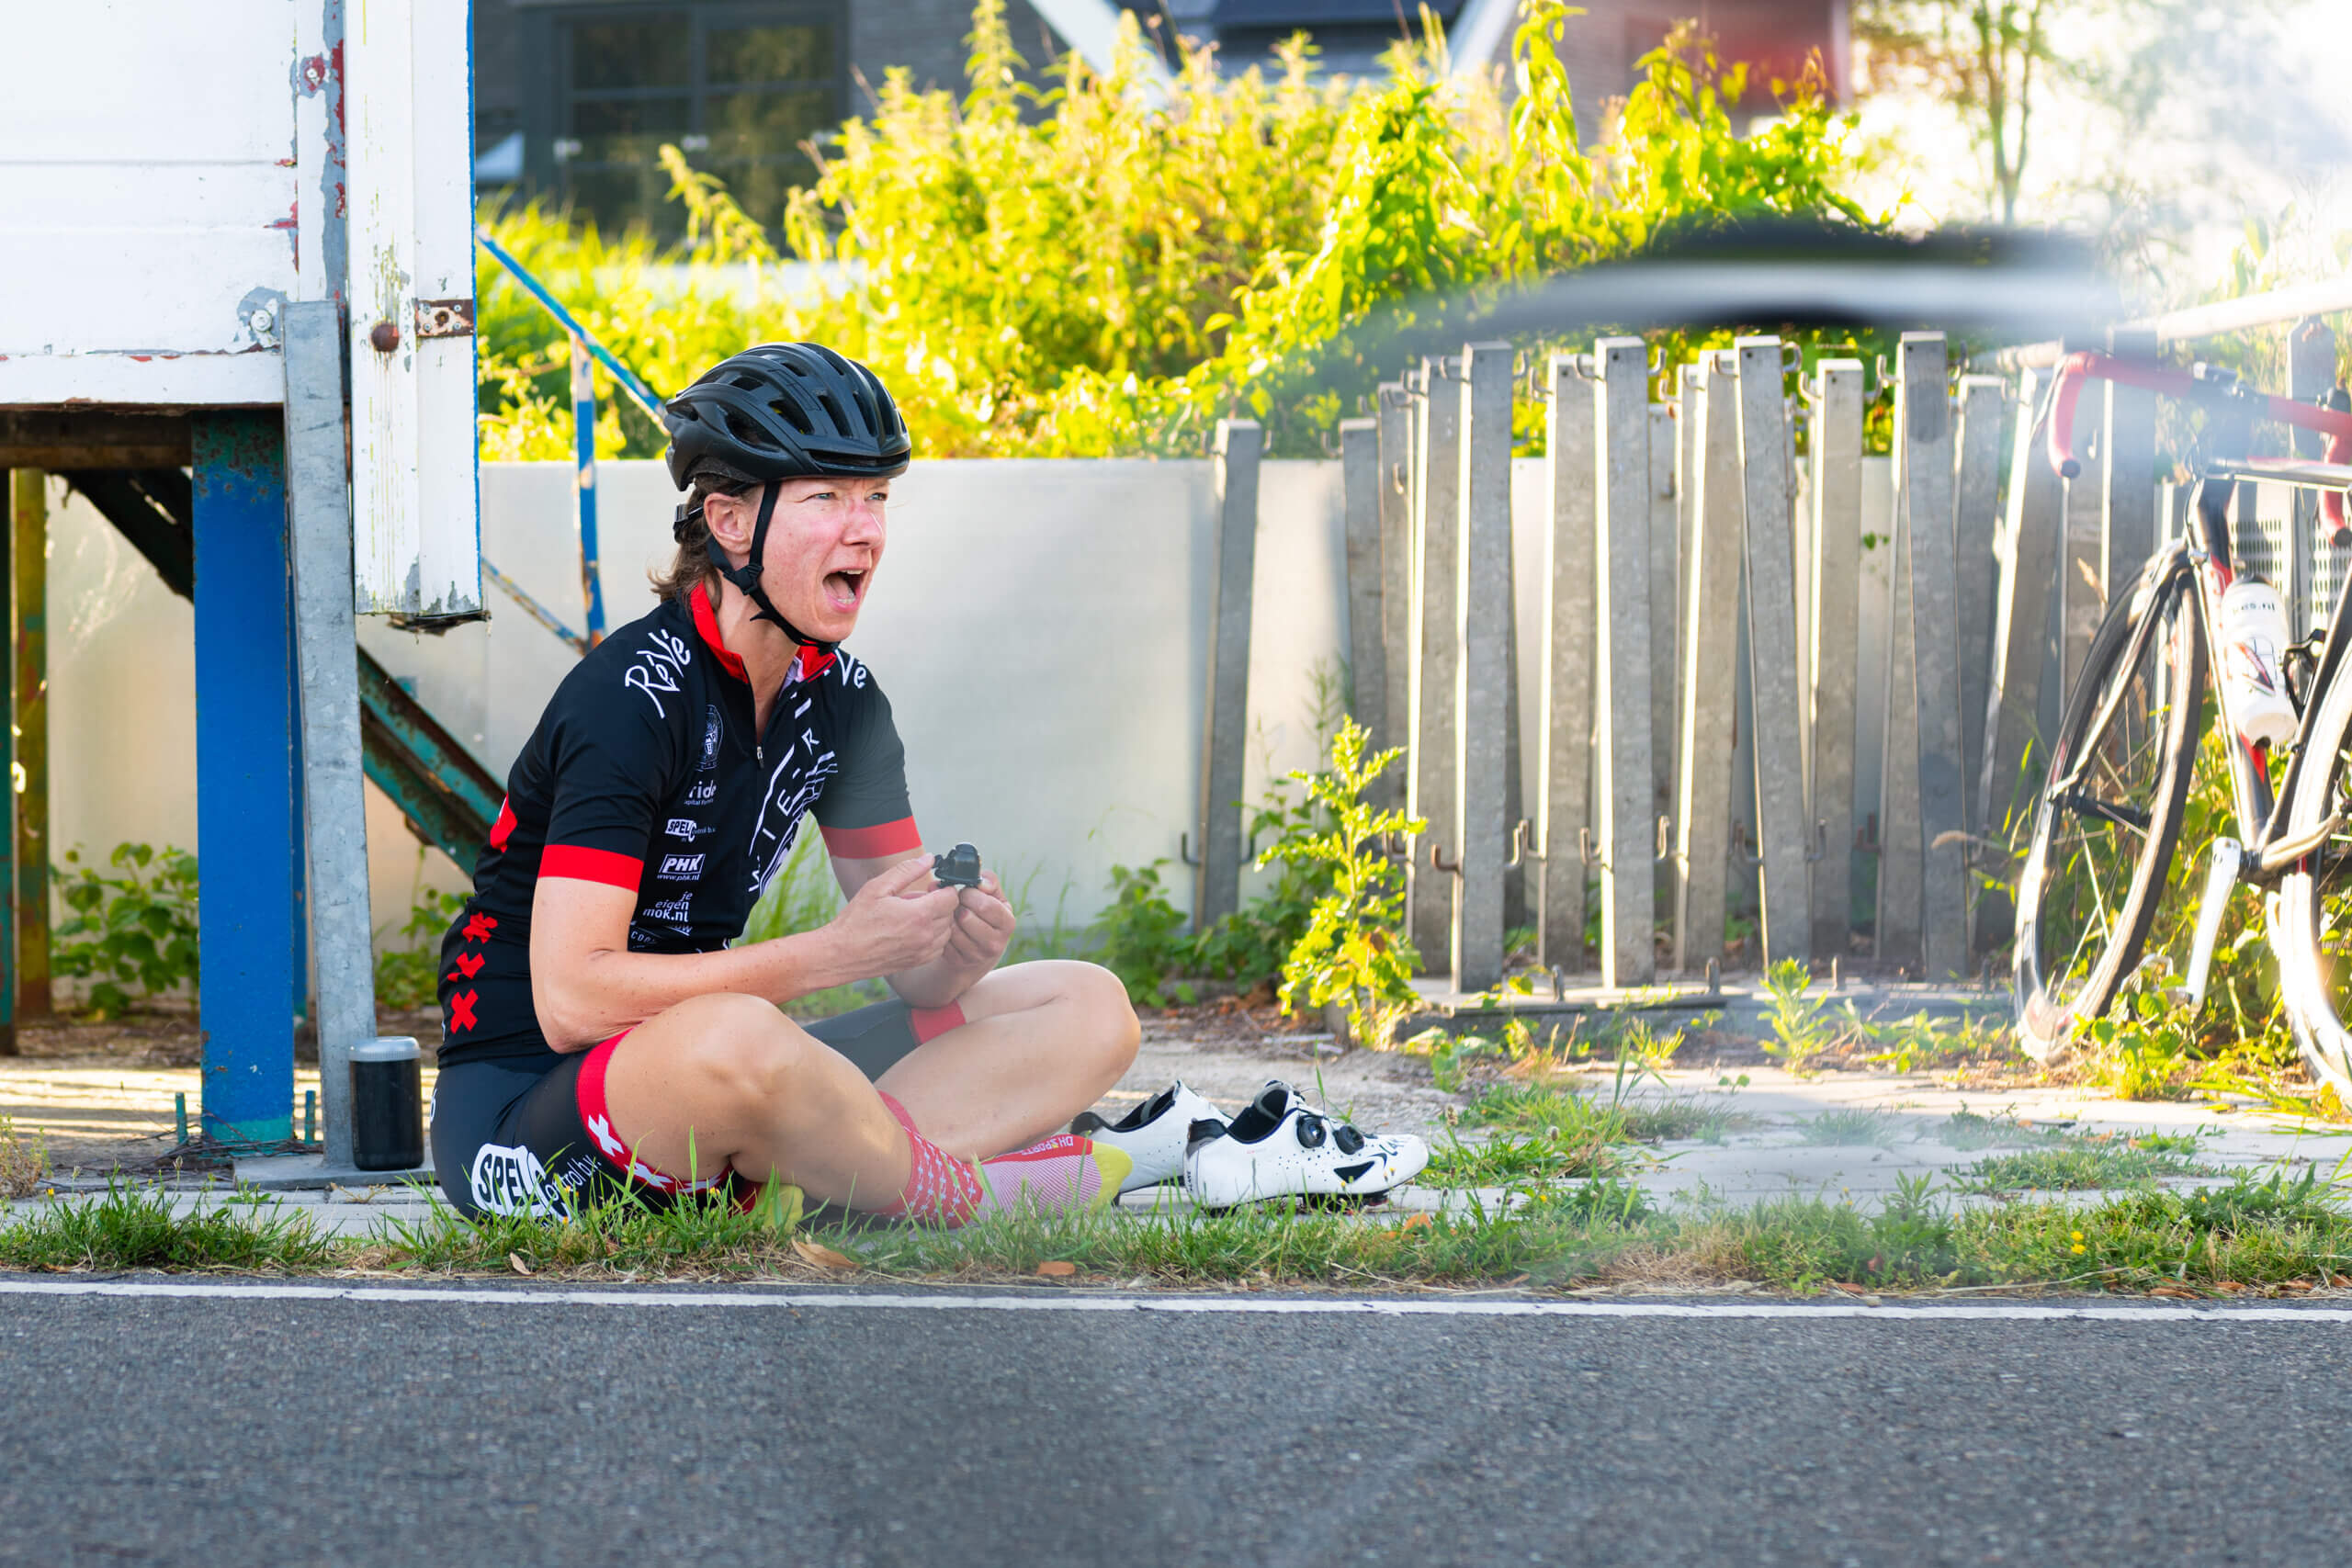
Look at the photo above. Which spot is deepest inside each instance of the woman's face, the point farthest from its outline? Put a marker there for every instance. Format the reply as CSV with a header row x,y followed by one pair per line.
x,y
824,544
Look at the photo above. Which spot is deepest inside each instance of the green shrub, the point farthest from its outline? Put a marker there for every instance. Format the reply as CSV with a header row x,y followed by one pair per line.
x,y
1354,951
134,934
1140,936
1077,271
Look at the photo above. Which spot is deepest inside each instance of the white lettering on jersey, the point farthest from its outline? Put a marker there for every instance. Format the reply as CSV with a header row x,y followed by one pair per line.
x,y
658,666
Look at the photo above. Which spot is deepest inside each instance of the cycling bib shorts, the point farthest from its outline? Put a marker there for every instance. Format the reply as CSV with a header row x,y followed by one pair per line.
x,y
512,1136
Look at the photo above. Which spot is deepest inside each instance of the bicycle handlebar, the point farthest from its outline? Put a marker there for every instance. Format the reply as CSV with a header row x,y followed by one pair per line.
x,y
2076,369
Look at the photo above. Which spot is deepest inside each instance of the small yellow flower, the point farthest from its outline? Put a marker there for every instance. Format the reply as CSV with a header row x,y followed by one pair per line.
x,y
2076,1247
2076,1236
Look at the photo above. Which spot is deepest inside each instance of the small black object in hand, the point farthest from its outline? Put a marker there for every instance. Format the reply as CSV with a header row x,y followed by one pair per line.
x,y
959,867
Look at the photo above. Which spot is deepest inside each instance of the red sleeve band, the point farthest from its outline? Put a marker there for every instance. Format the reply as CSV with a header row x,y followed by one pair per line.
x,y
593,866
872,843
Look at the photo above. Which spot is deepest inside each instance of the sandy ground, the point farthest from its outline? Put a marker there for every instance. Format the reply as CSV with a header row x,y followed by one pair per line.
x,y
102,1097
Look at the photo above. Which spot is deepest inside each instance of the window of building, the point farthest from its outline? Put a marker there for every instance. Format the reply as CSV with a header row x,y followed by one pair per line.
x,y
739,88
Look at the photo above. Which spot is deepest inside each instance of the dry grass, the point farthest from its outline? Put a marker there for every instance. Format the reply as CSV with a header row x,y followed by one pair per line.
x,y
23,1160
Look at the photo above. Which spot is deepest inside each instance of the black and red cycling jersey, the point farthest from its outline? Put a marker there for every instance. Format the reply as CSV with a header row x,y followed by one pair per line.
x,y
645,773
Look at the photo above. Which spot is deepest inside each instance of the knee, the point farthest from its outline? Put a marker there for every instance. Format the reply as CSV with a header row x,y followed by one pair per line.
x,y
1111,1026
741,1046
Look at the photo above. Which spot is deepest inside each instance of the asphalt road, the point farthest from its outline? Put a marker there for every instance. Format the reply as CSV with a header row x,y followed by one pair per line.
x,y
254,1430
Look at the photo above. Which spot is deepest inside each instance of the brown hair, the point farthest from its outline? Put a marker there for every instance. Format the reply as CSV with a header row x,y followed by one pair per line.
x,y
691,567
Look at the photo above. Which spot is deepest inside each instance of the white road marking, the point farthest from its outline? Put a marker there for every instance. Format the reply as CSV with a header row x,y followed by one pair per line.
x,y
1283,1306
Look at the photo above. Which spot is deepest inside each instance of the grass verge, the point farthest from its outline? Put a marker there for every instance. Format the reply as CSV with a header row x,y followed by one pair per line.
x,y
2273,1234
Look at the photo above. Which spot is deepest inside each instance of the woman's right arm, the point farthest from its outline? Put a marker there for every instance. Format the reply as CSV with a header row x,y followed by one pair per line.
x,y
587,986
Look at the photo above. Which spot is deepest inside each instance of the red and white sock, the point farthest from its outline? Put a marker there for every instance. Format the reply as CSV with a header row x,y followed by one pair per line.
x,y
1054,1174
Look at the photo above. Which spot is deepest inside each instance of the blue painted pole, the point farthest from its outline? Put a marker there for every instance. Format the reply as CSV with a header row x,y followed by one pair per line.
x,y
583,445
622,373
246,834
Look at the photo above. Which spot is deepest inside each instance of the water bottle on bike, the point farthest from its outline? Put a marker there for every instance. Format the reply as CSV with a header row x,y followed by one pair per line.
x,y
2254,643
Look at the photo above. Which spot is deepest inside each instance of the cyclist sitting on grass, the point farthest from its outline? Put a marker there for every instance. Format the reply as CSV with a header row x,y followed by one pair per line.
x,y
602,1031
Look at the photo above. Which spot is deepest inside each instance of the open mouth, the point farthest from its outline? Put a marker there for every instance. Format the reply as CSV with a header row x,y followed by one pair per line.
x,y
845,588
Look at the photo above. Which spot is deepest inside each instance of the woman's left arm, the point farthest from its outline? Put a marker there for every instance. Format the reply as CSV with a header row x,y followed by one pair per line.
x,y
984,927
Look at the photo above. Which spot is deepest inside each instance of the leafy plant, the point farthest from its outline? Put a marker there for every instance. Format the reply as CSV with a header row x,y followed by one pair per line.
x,y
1141,936
1091,268
133,933
1354,952
1801,1030
2143,1048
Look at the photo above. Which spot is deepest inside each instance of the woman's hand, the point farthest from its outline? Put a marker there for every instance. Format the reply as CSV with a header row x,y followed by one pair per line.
x,y
899,919
983,926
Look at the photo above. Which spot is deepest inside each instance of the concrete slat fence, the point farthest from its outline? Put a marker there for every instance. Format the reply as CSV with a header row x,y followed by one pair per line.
x,y
1702,806
1437,542
2029,561
1482,693
1976,516
1681,561
1570,605
1776,689
1628,831
1216,888
1359,490
2127,453
1395,456
1924,492
1835,603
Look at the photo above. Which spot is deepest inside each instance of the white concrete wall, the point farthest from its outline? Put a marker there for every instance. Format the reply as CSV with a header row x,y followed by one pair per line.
x,y
1040,627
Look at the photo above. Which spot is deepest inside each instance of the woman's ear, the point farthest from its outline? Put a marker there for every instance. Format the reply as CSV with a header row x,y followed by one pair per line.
x,y
730,519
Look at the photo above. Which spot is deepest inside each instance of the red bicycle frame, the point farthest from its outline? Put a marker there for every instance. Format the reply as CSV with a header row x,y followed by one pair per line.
x,y
2076,369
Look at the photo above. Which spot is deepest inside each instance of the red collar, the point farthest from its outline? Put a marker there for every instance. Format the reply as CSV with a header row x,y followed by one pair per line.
x,y
706,623
812,662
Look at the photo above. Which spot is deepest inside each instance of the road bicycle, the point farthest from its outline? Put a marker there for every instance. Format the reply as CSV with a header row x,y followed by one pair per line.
x,y
2177,657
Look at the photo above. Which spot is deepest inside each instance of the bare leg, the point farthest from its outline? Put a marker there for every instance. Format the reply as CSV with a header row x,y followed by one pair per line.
x,y
1040,1043
728,1079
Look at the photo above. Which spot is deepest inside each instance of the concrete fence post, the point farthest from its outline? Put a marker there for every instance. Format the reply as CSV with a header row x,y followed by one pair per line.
x,y
1924,477
1622,568
2082,583
1395,454
2127,452
1483,631
1776,695
1570,600
1976,522
1901,854
1437,488
2311,370
1216,887
1711,616
1360,494
2029,573
1836,606
1666,554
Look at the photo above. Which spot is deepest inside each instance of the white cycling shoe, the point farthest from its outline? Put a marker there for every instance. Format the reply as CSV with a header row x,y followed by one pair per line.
x,y
1156,1133
1281,1148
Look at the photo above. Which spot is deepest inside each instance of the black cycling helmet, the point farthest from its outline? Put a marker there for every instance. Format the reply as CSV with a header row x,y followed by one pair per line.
x,y
781,411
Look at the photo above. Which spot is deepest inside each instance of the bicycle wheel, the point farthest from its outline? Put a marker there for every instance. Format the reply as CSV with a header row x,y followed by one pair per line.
x,y
2310,928
2110,811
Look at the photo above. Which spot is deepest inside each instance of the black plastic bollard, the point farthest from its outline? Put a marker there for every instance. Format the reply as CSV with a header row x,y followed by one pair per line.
x,y
387,1105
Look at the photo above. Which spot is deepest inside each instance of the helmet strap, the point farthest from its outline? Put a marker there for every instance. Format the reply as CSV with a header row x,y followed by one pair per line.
x,y
747,576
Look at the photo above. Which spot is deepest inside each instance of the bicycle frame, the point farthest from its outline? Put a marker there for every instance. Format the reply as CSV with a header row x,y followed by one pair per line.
x,y
2209,556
